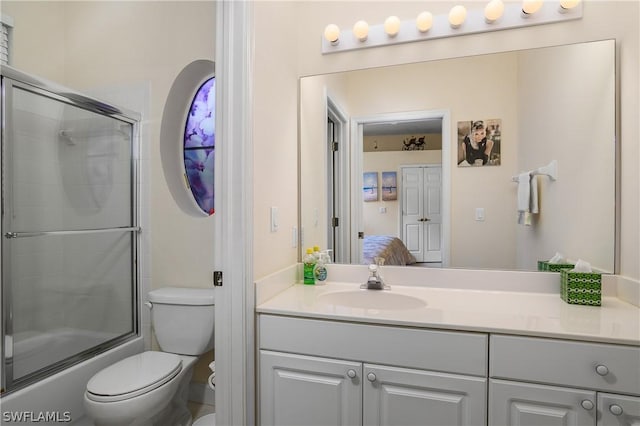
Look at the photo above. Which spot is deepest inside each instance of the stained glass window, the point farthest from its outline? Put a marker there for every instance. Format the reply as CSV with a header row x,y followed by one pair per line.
x,y
199,145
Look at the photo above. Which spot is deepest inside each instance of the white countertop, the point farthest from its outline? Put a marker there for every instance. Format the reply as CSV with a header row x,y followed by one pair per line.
x,y
540,314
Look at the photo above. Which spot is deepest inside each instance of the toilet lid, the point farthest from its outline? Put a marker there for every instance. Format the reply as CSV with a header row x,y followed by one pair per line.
x,y
133,376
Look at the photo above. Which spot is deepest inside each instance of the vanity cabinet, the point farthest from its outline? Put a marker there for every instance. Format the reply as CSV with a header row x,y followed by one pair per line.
x,y
316,372
618,410
536,381
299,390
322,372
528,404
398,396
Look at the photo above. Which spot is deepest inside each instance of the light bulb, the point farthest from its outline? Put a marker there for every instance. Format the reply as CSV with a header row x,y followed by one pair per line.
x,y
493,11
424,21
392,26
531,6
332,33
361,30
457,15
568,4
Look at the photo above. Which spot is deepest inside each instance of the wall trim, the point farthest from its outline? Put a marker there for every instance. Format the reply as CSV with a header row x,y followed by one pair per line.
x,y
234,337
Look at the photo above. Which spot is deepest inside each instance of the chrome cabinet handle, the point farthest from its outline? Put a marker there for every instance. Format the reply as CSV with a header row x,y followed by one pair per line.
x,y
371,377
351,373
616,410
587,405
602,370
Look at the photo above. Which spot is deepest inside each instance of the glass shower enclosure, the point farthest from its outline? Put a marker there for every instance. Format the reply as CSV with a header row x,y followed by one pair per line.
x,y
70,228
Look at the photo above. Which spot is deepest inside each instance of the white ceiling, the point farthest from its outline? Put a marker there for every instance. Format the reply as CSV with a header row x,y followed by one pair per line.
x,y
415,127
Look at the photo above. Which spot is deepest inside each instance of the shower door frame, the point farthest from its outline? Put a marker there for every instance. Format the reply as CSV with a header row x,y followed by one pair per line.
x,y
11,78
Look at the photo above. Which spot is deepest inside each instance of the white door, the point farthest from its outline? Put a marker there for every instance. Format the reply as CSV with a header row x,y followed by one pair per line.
x,y
298,390
618,410
527,404
422,212
406,397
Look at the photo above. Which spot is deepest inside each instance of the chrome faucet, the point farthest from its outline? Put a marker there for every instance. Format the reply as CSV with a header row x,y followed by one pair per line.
x,y
375,281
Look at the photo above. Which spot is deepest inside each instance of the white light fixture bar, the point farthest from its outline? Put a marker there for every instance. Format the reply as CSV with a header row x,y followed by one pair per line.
x,y
475,22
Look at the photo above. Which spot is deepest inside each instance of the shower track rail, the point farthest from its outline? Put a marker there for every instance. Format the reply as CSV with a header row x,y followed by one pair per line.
x,y
71,232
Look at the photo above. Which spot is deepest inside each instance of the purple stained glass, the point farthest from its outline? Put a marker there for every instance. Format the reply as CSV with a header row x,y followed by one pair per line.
x,y
199,145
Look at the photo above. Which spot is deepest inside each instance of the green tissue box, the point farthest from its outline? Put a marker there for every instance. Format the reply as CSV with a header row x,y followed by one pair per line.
x,y
581,288
544,265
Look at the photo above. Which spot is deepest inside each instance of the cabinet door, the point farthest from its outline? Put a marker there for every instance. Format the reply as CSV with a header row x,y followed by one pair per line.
x,y
399,397
618,410
300,390
527,404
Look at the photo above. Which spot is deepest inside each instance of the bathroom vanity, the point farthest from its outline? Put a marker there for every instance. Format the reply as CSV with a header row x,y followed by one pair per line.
x,y
415,355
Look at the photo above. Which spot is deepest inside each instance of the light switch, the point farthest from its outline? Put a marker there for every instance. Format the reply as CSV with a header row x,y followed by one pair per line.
x,y
382,210
479,214
294,237
274,219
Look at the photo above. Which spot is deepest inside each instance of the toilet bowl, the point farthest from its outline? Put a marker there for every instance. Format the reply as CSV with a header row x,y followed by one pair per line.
x,y
151,388
208,420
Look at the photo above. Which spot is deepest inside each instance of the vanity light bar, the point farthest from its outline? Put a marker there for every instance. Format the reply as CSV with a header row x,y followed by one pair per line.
x,y
475,22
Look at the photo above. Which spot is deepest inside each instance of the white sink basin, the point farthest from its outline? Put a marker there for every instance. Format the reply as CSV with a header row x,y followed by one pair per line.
x,y
372,299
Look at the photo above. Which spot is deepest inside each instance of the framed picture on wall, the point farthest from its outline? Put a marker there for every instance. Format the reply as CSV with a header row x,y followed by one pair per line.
x,y
370,186
389,186
479,142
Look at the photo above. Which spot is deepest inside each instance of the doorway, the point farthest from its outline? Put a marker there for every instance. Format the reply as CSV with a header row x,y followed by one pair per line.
x,y
337,186
437,239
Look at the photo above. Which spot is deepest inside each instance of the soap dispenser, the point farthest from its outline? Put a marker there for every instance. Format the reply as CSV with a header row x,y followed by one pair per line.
x,y
320,270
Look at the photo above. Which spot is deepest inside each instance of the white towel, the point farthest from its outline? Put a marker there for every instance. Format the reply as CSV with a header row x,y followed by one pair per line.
x,y
524,196
533,195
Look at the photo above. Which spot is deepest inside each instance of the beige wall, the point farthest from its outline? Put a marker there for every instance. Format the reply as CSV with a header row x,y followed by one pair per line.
x,y
313,137
275,111
601,20
583,144
427,87
494,99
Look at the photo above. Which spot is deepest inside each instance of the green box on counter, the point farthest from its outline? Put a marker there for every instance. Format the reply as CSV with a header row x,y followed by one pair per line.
x,y
581,288
544,265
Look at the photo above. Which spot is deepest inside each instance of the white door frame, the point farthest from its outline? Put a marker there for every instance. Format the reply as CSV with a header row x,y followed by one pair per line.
x,y
357,124
233,249
337,114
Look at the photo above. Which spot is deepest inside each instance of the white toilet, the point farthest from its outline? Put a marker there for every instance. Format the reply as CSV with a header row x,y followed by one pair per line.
x,y
151,388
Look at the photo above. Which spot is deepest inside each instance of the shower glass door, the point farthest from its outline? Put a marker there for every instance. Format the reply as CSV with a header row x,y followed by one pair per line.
x,y
69,240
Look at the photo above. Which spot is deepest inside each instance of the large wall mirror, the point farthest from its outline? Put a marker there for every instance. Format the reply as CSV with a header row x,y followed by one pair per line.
x,y
381,159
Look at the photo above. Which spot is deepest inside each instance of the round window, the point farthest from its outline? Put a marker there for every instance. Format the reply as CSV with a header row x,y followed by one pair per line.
x,y
199,145
187,138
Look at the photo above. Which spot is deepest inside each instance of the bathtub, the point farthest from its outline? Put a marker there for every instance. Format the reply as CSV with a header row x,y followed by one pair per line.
x,y
63,392
35,350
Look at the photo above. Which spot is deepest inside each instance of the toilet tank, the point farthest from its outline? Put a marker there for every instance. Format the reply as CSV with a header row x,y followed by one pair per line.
x,y
183,319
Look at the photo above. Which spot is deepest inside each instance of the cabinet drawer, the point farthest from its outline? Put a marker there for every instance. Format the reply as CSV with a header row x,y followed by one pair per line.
x,y
453,352
585,365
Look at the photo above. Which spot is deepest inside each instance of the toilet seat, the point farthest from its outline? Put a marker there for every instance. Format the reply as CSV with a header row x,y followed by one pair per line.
x,y
133,376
